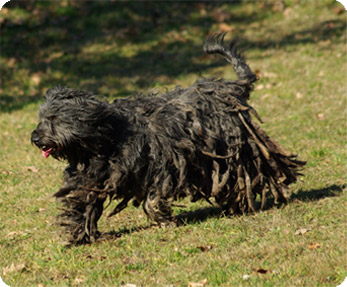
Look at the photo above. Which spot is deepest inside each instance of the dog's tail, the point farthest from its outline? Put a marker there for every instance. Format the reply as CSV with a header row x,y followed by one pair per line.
x,y
215,43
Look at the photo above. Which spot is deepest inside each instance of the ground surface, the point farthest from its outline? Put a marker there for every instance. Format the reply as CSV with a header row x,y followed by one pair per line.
x,y
117,49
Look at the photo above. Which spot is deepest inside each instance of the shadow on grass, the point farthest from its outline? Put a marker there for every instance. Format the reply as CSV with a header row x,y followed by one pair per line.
x,y
49,39
112,235
12,103
204,214
317,194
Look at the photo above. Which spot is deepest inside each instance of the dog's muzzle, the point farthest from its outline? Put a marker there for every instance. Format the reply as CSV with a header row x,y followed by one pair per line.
x,y
35,138
46,149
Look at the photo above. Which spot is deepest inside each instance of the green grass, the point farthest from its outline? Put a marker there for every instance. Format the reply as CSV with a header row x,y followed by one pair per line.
x,y
117,49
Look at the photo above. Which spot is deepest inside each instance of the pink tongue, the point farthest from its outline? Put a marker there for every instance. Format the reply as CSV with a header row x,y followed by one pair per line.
x,y
46,152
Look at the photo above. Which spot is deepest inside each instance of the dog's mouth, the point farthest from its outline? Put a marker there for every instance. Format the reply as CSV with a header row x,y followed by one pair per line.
x,y
48,150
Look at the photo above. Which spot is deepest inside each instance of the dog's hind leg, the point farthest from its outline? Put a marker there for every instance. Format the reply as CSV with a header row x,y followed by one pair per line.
x,y
158,208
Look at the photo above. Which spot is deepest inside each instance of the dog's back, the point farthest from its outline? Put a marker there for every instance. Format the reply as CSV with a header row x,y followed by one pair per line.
x,y
203,142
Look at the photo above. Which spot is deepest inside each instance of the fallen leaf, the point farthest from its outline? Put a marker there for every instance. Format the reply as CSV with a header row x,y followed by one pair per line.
x,y
299,95
313,246
321,116
225,27
198,284
15,233
262,271
13,268
11,62
259,87
301,231
129,285
205,248
32,168
246,277
36,79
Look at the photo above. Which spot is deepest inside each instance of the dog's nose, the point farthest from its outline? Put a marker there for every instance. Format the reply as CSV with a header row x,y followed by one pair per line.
x,y
35,137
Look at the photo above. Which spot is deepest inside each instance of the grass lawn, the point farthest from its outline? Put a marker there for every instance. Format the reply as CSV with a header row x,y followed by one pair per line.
x,y
298,49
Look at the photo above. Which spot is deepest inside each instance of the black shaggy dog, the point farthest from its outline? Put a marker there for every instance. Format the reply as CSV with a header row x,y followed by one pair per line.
x,y
153,149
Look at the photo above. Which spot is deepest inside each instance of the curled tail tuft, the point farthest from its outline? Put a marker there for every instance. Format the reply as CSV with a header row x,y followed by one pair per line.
x,y
215,44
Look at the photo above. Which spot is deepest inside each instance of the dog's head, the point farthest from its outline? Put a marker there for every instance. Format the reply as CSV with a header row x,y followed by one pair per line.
x,y
69,120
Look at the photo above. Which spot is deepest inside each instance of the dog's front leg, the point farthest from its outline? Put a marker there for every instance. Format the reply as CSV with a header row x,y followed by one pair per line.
x,y
81,212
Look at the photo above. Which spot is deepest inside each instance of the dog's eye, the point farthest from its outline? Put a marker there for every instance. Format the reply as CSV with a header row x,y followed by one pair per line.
x,y
52,118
